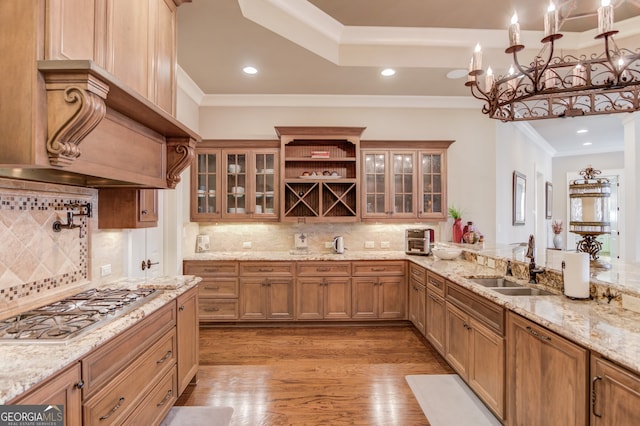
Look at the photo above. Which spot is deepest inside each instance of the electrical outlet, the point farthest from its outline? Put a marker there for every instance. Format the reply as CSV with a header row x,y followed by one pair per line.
x,y
369,244
105,270
385,244
328,244
246,244
491,263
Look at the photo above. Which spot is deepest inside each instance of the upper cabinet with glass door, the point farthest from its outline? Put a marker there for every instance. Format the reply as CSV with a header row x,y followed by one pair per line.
x,y
404,183
205,185
235,184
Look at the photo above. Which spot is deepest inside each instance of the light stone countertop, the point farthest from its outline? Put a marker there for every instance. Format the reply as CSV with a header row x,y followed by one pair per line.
x,y
604,328
25,364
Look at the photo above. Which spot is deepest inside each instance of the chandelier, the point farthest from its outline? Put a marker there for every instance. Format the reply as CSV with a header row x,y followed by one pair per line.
x,y
560,86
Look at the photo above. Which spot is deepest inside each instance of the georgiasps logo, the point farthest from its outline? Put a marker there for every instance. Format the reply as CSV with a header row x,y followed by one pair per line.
x,y
31,415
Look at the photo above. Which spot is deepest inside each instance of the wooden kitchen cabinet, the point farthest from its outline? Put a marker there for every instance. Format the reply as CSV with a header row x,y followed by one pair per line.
x,y
218,290
235,180
408,182
266,291
546,376
417,297
435,321
323,291
127,208
615,394
62,389
475,345
379,290
187,334
320,167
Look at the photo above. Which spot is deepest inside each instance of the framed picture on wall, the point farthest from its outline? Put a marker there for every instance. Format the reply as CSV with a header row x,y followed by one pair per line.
x,y
519,201
548,196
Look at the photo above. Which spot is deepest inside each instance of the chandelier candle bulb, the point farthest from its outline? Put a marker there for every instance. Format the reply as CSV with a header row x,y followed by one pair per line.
x,y
551,20
488,80
578,76
550,80
476,61
512,83
514,31
605,17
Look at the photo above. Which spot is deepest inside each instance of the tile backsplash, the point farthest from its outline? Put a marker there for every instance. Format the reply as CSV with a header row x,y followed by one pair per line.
x,y
36,261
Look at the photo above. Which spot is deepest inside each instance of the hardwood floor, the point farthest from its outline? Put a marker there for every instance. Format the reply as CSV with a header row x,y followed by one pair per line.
x,y
314,375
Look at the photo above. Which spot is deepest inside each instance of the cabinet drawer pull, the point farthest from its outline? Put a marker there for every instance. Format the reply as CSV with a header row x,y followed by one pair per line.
x,y
211,309
593,396
211,269
265,269
212,288
378,269
114,409
433,297
323,269
435,283
166,398
467,326
165,357
538,335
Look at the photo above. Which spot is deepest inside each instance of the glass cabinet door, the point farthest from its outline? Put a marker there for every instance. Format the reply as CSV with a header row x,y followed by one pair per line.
x,y
375,170
403,184
206,175
265,184
236,183
433,185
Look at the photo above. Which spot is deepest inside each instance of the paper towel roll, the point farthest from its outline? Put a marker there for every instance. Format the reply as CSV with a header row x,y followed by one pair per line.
x,y
575,275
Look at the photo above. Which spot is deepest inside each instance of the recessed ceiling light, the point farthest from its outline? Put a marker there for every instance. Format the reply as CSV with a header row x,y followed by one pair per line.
x,y
586,143
455,74
582,131
388,72
250,70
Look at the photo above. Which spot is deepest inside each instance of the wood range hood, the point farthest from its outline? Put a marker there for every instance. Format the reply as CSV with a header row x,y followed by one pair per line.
x,y
74,123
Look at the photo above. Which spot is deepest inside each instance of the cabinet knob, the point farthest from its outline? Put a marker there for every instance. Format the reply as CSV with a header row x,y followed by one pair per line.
x,y
181,308
144,211
80,384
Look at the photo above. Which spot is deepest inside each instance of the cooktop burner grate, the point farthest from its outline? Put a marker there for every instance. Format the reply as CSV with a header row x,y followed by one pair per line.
x,y
67,318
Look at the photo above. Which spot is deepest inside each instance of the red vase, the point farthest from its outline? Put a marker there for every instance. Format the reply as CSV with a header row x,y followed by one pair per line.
x,y
457,231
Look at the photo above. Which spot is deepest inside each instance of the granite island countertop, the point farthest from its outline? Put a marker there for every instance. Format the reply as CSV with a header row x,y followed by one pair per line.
x,y
601,327
25,364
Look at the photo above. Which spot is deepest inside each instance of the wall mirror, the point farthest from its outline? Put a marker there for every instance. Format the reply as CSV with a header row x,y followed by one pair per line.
x,y
519,187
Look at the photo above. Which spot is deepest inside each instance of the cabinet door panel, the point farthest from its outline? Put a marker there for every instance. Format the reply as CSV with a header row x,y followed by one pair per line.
x,y
365,298
616,394
337,298
252,299
280,298
457,340
486,369
391,297
435,325
165,55
310,295
70,29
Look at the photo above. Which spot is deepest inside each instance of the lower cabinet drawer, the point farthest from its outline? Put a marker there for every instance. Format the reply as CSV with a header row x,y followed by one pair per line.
x,y
158,403
218,309
113,403
219,288
378,268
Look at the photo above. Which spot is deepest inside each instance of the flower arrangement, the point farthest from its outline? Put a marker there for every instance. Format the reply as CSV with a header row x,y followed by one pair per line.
x,y
556,225
454,212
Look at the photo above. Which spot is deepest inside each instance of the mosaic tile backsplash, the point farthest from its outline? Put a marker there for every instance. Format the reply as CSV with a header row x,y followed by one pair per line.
x,y
34,259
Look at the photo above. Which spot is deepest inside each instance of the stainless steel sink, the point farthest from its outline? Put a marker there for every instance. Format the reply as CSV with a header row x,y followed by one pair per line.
x,y
522,291
495,282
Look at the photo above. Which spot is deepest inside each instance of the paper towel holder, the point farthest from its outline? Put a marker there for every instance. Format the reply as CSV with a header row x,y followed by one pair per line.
x,y
563,264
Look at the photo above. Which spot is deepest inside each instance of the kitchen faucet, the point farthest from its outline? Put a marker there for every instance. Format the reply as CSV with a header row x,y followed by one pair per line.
x,y
533,270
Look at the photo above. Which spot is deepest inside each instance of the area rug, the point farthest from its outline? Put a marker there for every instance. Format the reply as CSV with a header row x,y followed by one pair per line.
x,y
195,416
446,400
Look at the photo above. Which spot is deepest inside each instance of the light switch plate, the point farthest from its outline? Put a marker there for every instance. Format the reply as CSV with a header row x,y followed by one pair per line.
x,y
105,270
301,241
369,244
246,244
385,244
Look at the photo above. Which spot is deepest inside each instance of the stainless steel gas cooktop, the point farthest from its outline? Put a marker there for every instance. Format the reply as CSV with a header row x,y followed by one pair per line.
x,y
69,317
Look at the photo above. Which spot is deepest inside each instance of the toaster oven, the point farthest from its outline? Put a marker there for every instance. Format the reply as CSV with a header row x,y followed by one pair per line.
x,y
418,241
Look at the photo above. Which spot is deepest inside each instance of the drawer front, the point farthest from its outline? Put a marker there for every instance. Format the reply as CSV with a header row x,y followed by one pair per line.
x,y
220,288
157,404
122,394
109,359
417,273
267,268
486,312
378,268
323,269
436,283
210,268
217,309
